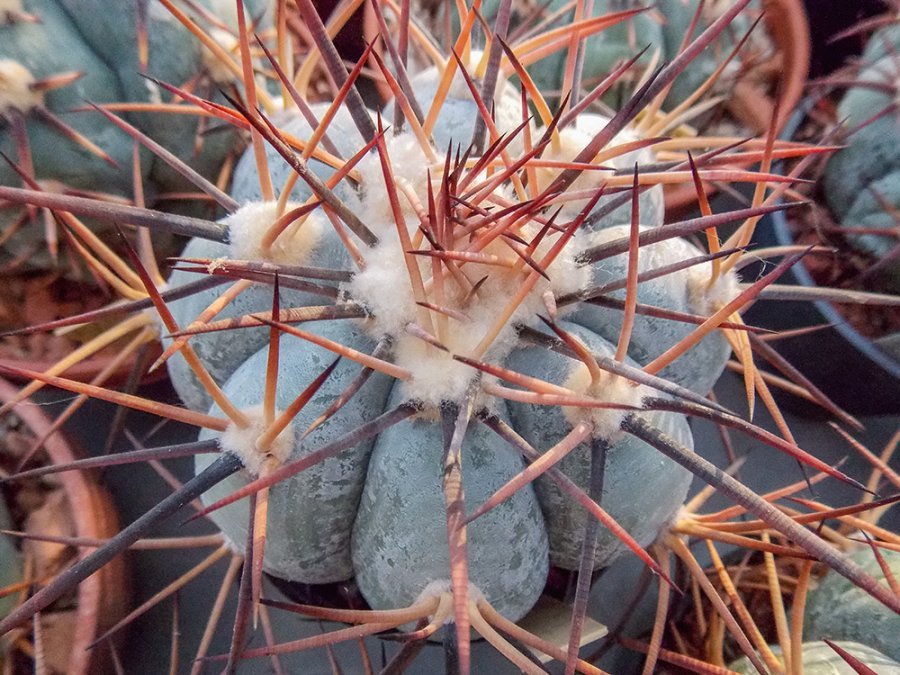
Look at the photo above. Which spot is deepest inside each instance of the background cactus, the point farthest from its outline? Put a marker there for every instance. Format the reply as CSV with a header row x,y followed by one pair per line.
x,y
820,658
861,180
662,31
69,54
452,287
836,612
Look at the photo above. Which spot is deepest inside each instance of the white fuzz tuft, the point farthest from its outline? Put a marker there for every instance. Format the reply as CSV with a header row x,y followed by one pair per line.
x,y
248,225
243,442
706,298
385,288
15,87
606,422
408,166
217,70
154,93
436,589
573,139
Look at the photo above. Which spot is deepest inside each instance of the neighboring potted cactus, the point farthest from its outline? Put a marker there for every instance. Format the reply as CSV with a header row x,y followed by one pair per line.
x,y
56,59
837,611
837,658
466,293
858,215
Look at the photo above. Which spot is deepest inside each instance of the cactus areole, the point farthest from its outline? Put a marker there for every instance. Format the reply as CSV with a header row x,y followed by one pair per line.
x,y
463,255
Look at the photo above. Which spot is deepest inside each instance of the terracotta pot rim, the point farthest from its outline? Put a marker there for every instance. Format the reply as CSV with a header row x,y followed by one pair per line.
x,y
788,26
102,597
83,371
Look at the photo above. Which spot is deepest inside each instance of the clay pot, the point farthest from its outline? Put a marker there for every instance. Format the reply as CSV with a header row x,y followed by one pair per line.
x,y
103,597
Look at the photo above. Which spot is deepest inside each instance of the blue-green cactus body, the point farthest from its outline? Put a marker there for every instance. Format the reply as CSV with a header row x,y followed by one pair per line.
x,y
651,202
456,118
862,180
36,51
175,57
838,610
310,514
677,16
400,534
884,41
53,47
342,132
222,352
642,489
868,211
872,151
99,39
10,561
683,291
604,51
820,659
662,30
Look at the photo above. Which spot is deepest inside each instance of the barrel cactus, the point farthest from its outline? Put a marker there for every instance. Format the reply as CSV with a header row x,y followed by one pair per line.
x,y
836,611
820,658
383,519
440,364
861,180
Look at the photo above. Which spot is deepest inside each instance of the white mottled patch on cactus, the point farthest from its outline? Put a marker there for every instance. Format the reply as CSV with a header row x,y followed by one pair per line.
x,y
16,87
9,9
244,442
217,70
606,422
248,225
154,94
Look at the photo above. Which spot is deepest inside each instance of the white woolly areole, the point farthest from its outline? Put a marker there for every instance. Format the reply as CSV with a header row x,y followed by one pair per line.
x,y
435,589
707,298
409,167
10,7
217,70
248,225
244,442
15,87
573,139
384,287
606,422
